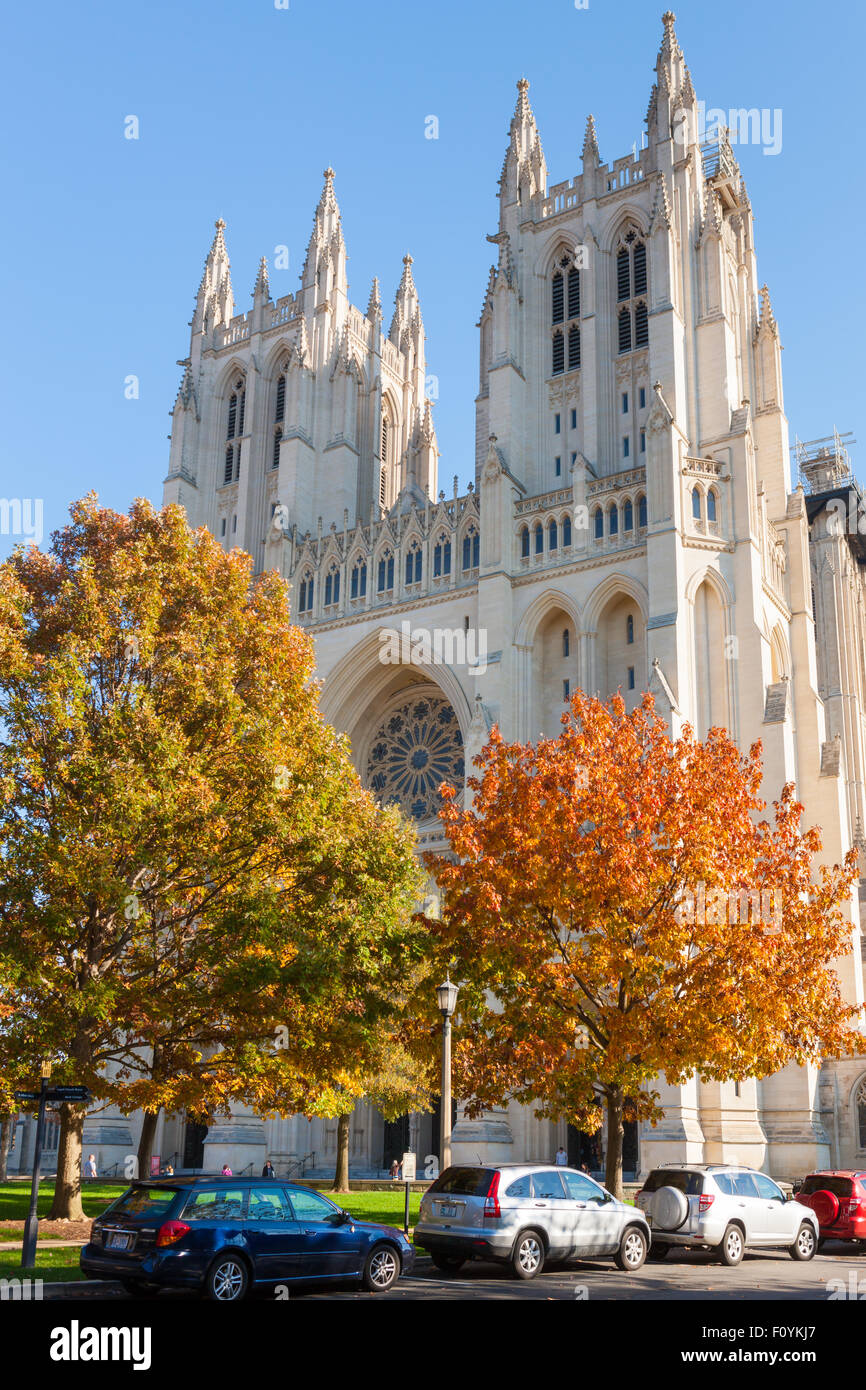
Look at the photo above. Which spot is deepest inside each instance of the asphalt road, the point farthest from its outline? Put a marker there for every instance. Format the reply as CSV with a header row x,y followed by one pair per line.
x,y
689,1275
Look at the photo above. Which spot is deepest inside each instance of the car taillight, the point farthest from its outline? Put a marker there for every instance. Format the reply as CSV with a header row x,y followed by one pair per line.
x,y
705,1201
853,1206
95,1234
491,1201
170,1231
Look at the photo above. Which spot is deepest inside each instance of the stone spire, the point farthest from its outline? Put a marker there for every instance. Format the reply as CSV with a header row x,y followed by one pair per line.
x,y
215,300
590,153
374,303
524,173
325,263
661,213
766,318
261,290
407,311
673,87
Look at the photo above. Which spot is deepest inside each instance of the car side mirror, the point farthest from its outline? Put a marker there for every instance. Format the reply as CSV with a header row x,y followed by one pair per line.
x,y
344,1217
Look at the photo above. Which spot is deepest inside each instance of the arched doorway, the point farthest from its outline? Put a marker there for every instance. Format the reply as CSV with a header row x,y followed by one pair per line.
x,y
194,1135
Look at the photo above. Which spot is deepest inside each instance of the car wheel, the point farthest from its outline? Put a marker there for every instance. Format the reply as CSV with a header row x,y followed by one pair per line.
x,y
382,1269
140,1288
448,1264
658,1250
527,1258
732,1247
228,1279
632,1250
805,1245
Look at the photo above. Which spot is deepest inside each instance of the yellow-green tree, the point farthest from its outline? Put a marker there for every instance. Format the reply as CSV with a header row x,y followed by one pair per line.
x,y
190,867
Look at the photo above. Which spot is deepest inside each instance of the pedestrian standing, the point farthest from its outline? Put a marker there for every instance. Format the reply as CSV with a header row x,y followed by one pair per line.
x,y
227,1172
268,1170
90,1168
561,1158
395,1170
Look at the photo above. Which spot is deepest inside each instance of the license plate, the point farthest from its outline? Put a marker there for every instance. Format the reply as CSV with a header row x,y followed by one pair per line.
x,y
445,1210
118,1241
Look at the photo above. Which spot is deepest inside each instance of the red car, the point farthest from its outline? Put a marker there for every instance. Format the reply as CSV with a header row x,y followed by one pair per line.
x,y
838,1199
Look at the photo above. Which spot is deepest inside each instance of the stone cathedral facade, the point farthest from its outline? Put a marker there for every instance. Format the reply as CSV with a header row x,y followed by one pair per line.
x,y
632,525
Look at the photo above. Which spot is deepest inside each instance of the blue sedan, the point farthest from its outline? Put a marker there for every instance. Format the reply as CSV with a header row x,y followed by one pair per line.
x,y
226,1236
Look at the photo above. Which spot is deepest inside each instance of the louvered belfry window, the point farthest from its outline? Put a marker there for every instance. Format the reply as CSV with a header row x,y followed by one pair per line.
x,y
631,294
234,429
565,316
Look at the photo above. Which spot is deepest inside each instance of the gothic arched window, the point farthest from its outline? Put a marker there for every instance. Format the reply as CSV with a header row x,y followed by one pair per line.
x,y
628,516
358,584
539,538
413,564
552,536
629,629
613,520
442,556
566,642
566,531
471,549
565,311
386,455
279,417
711,505
385,580
696,503
641,511
305,594
598,523
524,543
631,293
332,586
234,430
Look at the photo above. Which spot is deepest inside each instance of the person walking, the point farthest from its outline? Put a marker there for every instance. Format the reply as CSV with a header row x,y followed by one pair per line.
x,y
561,1158
268,1170
90,1168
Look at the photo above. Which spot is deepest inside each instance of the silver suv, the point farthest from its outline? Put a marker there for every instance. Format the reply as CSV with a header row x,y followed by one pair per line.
x,y
726,1207
525,1215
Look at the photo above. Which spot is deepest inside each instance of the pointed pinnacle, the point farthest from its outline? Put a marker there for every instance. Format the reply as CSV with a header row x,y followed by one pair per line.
x,y
374,304
590,141
261,288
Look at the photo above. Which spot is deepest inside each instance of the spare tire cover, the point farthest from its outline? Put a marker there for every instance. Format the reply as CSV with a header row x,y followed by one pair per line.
x,y
670,1209
825,1205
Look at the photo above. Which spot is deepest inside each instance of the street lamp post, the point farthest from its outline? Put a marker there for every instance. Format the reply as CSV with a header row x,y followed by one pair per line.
x,y
446,994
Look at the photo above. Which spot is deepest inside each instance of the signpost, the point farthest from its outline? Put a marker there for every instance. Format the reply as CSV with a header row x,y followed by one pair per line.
x,y
46,1094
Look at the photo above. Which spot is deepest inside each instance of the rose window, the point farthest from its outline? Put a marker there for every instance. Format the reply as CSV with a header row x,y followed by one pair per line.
x,y
416,748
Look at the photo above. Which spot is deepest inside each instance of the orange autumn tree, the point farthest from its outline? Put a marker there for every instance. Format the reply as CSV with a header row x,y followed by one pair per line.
x,y
617,910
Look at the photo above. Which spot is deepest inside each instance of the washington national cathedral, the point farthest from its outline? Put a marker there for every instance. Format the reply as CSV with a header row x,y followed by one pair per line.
x,y
633,525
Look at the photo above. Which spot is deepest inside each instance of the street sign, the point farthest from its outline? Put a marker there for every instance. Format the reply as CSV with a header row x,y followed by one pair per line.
x,y
26,1095
69,1093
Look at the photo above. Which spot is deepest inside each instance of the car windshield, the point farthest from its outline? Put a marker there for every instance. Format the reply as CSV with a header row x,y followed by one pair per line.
x,y
143,1201
464,1182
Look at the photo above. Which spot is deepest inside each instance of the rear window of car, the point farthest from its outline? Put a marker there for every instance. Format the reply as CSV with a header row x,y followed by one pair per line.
x,y
464,1182
690,1184
824,1182
144,1201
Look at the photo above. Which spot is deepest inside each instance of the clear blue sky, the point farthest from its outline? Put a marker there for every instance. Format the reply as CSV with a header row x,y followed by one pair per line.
x,y
241,107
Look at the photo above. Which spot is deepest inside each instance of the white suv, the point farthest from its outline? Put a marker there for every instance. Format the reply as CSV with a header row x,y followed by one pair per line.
x,y
726,1207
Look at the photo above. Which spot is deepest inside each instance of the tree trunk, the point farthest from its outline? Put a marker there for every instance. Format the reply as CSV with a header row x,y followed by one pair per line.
x,y
341,1177
613,1160
67,1190
7,1129
145,1143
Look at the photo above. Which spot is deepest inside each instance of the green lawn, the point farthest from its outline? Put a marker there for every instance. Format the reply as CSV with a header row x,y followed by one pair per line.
x,y
15,1199
51,1265
385,1206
